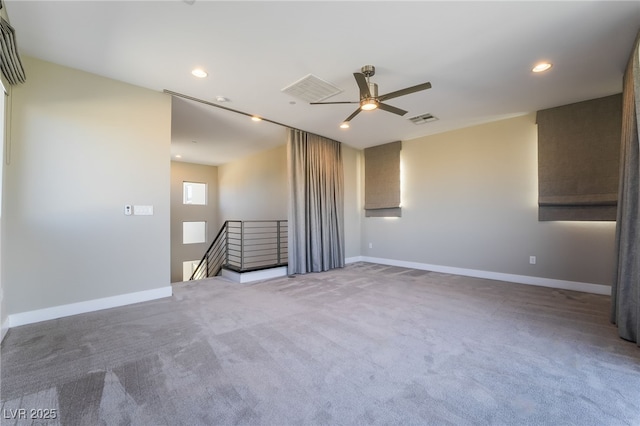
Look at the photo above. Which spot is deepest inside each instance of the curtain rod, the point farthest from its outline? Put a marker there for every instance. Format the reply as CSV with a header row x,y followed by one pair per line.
x,y
202,101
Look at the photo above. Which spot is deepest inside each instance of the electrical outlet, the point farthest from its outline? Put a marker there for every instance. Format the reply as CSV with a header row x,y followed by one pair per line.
x,y
370,245
532,260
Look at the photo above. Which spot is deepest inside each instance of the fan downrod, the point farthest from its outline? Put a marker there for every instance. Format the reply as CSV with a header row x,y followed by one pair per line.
x,y
368,70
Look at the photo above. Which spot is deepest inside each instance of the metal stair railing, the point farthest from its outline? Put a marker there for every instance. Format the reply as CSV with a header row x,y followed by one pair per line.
x,y
244,246
257,244
214,257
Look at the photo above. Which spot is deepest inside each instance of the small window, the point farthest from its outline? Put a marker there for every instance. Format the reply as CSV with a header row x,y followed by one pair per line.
x,y
188,267
194,193
194,232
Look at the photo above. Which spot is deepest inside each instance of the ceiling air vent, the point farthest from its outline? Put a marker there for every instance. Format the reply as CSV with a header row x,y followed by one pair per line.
x,y
423,118
311,89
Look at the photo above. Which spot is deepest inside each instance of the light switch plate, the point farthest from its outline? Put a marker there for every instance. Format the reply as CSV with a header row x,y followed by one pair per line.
x,y
143,210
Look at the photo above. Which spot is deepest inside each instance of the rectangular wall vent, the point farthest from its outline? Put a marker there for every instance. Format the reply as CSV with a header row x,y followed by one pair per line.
x,y
423,118
311,89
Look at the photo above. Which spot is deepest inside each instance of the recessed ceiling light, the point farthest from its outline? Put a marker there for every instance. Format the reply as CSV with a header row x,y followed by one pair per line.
x,y
256,118
222,99
178,156
199,72
543,66
344,125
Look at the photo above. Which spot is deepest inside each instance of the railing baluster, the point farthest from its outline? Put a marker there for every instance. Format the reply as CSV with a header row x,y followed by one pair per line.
x,y
241,245
226,243
278,241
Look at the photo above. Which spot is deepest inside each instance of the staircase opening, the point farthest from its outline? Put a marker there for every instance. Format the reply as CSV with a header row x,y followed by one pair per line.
x,y
245,246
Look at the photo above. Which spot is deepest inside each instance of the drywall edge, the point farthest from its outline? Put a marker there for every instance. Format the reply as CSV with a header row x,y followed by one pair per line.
x,y
4,329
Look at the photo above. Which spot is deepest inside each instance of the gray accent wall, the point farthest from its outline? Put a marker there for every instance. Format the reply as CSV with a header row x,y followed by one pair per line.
x,y
81,148
352,160
469,200
187,172
255,187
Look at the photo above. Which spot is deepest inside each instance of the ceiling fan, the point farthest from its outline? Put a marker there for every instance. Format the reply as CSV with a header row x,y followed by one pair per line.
x,y
369,99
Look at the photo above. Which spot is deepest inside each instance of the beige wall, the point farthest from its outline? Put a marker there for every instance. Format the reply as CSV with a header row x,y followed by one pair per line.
x,y
186,172
82,147
469,200
255,187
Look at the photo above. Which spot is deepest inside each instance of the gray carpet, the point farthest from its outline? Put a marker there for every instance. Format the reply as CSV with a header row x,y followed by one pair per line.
x,y
367,344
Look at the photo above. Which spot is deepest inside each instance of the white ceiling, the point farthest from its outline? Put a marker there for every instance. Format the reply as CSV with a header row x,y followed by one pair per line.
x,y
477,55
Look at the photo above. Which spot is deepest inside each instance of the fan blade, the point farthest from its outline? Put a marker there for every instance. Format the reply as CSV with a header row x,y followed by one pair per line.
x,y
362,84
356,112
408,90
392,109
331,103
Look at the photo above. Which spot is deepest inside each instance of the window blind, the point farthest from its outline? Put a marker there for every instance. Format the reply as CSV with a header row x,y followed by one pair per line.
x,y
10,64
578,160
382,180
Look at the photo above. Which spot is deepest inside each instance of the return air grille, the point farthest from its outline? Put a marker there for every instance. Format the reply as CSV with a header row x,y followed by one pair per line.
x,y
423,118
311,89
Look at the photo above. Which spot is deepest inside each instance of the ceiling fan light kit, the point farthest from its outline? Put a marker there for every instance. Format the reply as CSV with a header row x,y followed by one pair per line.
x,y
368,104
369,99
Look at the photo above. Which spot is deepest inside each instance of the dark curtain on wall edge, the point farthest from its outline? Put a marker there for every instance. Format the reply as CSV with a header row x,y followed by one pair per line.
x,y
625,292
316,203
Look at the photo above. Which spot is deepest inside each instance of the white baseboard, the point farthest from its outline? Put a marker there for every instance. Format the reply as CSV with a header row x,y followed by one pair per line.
x,y
354,259
54,312
248,277
499,276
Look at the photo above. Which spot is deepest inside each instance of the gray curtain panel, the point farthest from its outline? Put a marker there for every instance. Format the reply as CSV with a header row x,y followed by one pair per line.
x,y
316,203
625,300
578,160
